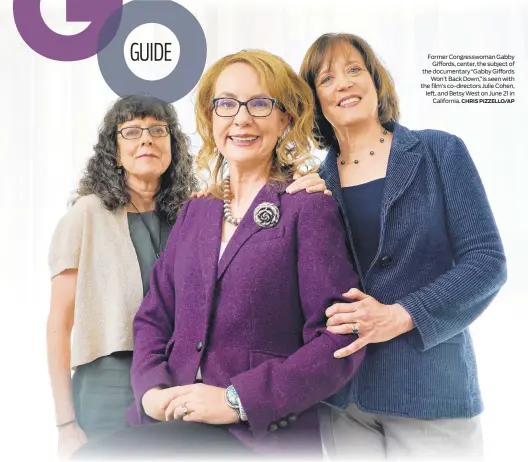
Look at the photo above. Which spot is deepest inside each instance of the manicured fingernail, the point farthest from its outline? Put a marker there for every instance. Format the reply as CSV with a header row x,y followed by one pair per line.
x,y
337,354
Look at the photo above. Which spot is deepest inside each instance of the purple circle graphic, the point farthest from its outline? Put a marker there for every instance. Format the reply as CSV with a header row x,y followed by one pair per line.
x,y
48,43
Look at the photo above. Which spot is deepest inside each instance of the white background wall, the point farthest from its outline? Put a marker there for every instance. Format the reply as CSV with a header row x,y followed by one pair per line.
x,y
48,124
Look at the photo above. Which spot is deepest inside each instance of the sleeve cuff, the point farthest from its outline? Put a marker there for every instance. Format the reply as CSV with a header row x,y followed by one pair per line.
x,y
158,377
426,336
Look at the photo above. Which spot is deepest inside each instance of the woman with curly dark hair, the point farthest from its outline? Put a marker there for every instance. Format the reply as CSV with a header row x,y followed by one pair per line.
x,y
100,259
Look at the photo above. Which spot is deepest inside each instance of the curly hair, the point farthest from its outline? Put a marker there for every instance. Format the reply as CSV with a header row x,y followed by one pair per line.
x,y
102,177
316,56
293,153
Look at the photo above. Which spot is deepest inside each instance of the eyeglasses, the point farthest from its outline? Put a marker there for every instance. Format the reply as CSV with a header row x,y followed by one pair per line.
x,y
134,133
257,107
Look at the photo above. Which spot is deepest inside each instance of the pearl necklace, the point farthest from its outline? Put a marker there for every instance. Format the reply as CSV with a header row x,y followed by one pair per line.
x,y
228,213
342,162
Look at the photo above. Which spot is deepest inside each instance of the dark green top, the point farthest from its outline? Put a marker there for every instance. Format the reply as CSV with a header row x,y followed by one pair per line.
x,y
143,242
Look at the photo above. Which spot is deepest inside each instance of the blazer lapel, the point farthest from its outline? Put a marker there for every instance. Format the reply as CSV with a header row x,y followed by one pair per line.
x,y
401,169
403,165
247,227
330,173
209,247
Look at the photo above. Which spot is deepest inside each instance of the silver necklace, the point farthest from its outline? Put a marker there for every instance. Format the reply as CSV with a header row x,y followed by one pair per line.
x,y
382,140
157,250
228,212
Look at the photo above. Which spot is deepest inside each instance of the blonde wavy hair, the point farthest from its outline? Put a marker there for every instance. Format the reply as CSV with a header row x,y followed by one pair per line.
x,y
293,153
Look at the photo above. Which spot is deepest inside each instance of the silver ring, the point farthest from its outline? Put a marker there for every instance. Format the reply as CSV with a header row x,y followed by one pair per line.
x,y
355,328
185,410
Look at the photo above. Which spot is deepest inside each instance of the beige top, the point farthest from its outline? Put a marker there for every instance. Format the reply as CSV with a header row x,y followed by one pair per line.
x,y
109,291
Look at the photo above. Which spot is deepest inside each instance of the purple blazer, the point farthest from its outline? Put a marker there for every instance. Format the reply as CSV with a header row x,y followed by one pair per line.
x,y
255,319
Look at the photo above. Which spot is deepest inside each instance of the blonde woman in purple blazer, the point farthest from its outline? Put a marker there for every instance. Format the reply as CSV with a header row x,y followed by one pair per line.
x,y
231,352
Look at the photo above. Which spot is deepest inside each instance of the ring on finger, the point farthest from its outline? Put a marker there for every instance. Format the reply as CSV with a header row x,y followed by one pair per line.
x,y
355,328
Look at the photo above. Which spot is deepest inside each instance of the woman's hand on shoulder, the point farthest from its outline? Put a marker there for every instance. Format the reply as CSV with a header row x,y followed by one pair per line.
x,y
203,193
311,182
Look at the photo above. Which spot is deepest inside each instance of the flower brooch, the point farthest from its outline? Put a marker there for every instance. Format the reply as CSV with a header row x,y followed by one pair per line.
x,y
266,215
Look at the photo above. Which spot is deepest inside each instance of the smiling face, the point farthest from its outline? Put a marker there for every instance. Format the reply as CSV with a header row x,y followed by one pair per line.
x,y
148,157
345,88
245,139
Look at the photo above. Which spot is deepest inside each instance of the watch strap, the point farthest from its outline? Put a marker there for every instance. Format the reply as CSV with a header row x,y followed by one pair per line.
x,y
233,401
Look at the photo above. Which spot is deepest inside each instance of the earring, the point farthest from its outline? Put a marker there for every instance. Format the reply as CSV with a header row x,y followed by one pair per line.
x,y
119,169
281,138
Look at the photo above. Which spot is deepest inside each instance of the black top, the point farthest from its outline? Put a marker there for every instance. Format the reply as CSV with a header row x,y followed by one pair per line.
x,y
363,205
142,241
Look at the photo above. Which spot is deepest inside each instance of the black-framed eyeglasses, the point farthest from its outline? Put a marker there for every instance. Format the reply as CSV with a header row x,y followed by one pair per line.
x,y
134,133
257,107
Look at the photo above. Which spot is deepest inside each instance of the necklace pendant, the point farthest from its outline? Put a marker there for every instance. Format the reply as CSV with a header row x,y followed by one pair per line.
x,y
342,162
356,161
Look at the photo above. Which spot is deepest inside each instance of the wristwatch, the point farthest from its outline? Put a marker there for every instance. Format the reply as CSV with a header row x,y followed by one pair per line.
x,y
233,401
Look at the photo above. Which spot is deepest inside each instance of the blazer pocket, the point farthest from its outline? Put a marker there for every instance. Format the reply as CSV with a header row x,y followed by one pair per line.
x,y
257,357
267,235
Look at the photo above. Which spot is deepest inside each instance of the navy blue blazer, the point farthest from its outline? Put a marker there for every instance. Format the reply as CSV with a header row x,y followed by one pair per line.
x,y
441,257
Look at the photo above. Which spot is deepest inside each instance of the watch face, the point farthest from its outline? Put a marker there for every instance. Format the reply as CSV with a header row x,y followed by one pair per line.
x,y
232,397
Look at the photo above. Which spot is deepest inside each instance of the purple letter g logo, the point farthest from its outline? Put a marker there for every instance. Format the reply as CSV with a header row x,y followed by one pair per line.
x,y
48,43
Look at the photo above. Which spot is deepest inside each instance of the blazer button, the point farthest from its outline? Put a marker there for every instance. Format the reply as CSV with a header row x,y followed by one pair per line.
x,y
272,427
283,423
199,345
385,261
292,418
